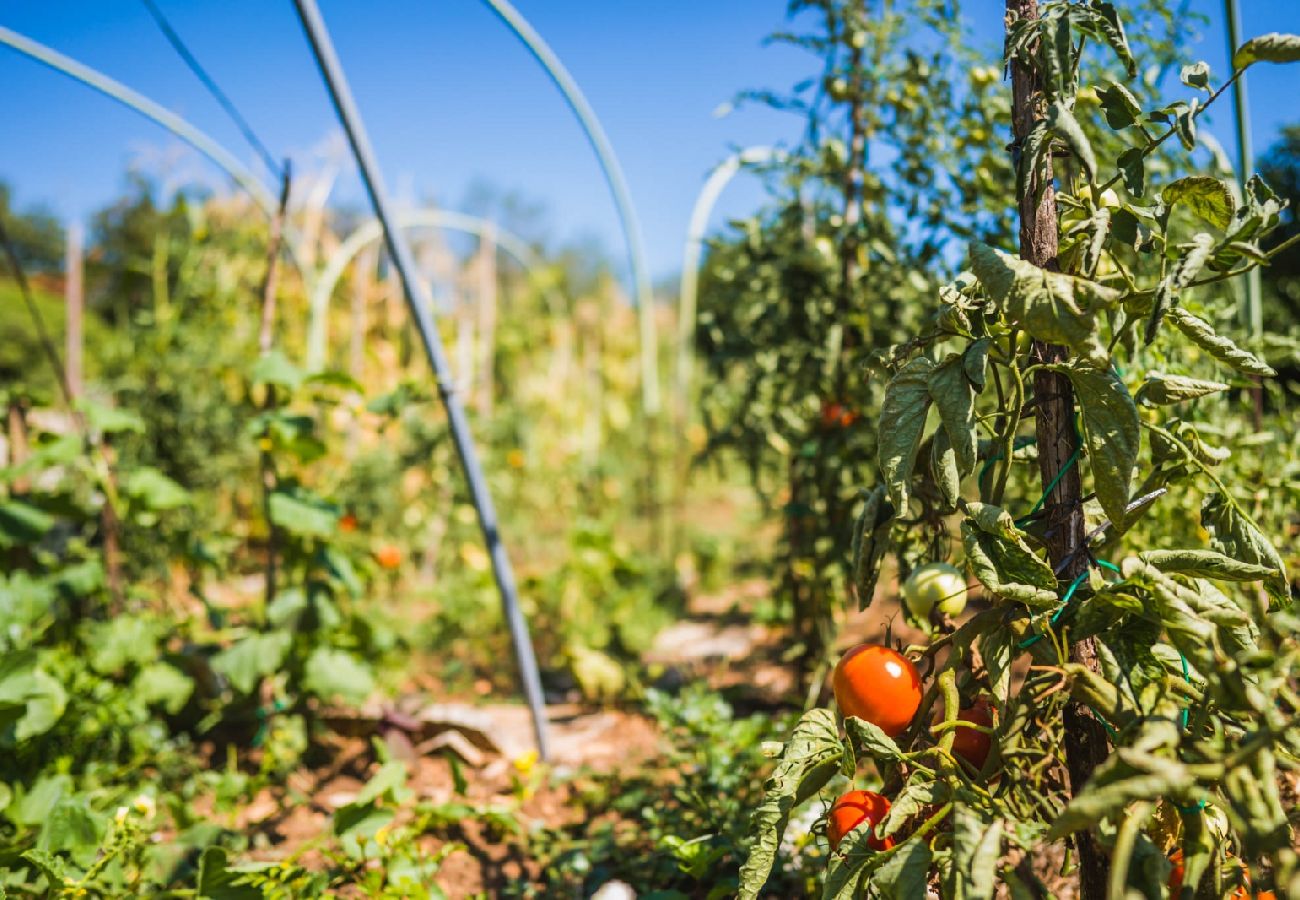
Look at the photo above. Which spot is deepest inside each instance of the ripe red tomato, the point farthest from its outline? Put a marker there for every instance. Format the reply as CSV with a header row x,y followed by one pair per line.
x,y
970,745
853,809
347,523
878,685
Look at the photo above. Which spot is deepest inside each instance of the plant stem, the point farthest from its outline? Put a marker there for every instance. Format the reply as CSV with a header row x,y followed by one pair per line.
x,y
265,342
1057,439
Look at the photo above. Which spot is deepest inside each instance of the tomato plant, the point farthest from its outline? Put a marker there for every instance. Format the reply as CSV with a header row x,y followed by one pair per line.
x,y
1162,662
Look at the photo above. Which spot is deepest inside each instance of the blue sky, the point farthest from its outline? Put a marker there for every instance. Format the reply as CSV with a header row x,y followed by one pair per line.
x,y
450,97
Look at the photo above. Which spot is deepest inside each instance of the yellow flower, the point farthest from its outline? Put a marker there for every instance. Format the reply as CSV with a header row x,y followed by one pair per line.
x,y
121,814
381,835
525,763
515,458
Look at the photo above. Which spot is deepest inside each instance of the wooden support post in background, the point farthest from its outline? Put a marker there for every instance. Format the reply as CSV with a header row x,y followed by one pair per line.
x,y
74,294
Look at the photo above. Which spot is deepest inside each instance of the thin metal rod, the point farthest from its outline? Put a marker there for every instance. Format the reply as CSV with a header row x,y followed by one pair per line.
x,y
421,306
210,84
559,75
1252,314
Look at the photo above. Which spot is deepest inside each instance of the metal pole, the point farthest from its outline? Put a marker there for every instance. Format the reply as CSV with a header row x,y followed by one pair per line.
x,y
421,307
1252,314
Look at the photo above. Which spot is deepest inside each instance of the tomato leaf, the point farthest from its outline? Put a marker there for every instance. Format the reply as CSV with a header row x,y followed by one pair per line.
x,y
1050,306
1207,196
1202,334
954,397
1205,564
904,875
870,541
1236,536
1111,432
1273,48
810,759
868,736
1161,390
902,421
1001,560
1066,127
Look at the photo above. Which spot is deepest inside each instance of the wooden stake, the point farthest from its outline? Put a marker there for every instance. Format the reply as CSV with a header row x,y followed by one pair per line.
x,y
75,297
1085,740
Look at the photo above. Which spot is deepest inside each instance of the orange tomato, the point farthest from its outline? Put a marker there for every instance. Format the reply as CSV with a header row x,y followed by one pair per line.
x,y
970,745
853,809
1241,892
389,557
878,685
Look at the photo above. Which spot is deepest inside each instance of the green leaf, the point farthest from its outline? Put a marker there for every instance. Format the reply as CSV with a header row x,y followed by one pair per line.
x,y
300,512
218,882
870,541
1159,389
164,685
868,736
31,700
104,419
1064,125
848,866
976,848
1121,108
22,524
905,875
902,421
71,828
954,397
275,368
1185,126
1132,166
388,781
810,759
1273,48
915,797
1196,75
1200,333
333,673
1232,534
1206,196
249,660
1205,564
121,642
154,490
1111,432
1127,775
1050,306
1001,560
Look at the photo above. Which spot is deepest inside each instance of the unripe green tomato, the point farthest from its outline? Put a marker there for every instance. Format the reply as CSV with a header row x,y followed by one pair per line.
x,y
935,584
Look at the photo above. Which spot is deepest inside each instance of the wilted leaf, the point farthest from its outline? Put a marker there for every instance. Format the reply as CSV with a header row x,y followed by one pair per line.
x,y
1205,564
1063,123
954,397
902,421
1160,390
1200,333
1111,432
868,736
811,758
999,557
1119,104
870,541
1208,197
1273,48
1196,75
1050,306
1236,536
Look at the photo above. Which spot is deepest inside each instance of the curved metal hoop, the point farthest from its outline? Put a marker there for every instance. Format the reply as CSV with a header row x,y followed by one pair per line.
x,y
694,250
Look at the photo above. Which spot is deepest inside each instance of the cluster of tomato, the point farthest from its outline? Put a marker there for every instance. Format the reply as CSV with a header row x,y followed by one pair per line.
x,y
880,685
